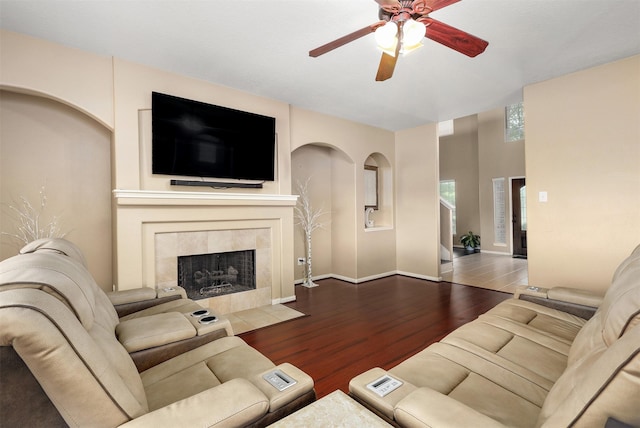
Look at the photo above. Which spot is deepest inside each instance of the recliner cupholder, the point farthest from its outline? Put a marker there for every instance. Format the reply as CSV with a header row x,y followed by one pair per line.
x,y
200,313
208,319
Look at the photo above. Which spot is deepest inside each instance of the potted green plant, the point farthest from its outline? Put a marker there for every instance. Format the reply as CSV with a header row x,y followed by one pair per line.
x,y
470,241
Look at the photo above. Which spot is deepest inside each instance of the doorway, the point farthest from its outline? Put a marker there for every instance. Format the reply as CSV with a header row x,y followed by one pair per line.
x,y
519,217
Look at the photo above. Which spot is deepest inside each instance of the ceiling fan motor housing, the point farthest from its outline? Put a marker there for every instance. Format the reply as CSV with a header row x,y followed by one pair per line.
x,y
403,11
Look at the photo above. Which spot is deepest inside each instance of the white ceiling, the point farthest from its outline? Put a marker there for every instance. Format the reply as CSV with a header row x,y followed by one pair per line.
x,y
261,46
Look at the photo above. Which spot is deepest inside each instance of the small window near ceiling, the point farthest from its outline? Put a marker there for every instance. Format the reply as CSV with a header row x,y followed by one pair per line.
x,y
448,193
514,121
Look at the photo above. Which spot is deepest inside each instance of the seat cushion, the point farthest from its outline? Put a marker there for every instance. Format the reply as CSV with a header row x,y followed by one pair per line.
x,y
209,365
155,330
558,324
506,395
530,349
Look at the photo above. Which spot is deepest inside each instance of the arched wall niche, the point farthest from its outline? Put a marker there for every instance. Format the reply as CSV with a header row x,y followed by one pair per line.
x,y
331,186
48,142
43,94
382,216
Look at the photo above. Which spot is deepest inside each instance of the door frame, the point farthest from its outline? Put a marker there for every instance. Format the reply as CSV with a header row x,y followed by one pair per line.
x,y
518,177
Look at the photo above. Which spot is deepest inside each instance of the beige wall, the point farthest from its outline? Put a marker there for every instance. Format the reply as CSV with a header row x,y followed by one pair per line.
x,y
583,149
496,159
459,162
71,76
418,201
79,118
585,143
133,84
46,143
314,162
344,147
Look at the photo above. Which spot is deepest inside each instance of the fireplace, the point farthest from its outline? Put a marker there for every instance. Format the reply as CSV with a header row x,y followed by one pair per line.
x,y
171,246
216,274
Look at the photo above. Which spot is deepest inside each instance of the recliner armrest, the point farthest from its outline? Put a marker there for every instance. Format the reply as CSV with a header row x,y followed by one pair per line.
x,y
129,301
582,303
131,296
575,295
231,404
145,293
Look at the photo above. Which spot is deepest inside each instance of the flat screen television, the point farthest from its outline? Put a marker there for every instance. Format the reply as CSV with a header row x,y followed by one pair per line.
x,y
196,139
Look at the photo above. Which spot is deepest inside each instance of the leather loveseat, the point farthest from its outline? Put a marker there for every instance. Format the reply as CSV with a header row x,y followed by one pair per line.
x,y
62,363
547,358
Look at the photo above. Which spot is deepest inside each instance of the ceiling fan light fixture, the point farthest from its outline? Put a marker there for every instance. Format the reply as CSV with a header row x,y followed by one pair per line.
x,y
412,34
386,37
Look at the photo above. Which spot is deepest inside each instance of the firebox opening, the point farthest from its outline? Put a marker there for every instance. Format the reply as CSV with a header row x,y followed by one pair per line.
x,y
210,275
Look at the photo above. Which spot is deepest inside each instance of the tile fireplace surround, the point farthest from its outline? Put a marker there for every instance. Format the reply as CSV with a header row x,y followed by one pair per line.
x,y
155,227
169,246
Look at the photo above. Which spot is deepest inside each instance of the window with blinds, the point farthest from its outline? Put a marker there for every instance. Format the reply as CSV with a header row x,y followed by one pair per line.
x,y
499,212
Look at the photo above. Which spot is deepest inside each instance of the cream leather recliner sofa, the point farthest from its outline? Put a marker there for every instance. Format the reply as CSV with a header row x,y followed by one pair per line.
x,y
154,325
61,362
547,358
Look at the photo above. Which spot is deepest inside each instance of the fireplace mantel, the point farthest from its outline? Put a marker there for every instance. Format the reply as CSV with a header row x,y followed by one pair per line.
x,y
171,198
143,214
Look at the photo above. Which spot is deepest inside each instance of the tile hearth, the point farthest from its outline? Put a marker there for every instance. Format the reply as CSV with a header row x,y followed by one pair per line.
x,y
264,316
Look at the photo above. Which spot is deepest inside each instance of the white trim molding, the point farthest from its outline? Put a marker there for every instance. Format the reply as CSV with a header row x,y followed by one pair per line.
x,y
155,197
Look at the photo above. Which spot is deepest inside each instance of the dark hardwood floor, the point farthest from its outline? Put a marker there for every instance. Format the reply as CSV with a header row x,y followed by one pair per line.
x,y
351,328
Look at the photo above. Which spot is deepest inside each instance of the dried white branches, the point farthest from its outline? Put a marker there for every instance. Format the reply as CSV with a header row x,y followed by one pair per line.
x,y
30,222
308,218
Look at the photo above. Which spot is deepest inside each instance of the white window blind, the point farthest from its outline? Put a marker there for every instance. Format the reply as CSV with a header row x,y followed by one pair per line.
x,y
499,214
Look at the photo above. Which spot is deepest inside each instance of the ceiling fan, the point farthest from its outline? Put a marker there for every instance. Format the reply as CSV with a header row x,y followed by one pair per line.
x,y
402,26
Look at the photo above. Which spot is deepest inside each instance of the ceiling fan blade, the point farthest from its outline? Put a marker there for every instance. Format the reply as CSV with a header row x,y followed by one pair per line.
x,y
453,38
386,67
345,39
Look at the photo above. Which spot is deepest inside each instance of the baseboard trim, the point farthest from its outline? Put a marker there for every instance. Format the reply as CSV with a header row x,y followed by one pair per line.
x,y
283,300
371,277
420,276
500,253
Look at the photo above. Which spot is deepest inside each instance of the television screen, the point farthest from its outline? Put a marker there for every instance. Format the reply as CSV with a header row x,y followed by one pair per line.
x,y
196,139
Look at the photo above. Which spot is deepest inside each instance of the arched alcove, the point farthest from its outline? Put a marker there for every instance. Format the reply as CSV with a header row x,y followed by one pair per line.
x,y
44,142
331,186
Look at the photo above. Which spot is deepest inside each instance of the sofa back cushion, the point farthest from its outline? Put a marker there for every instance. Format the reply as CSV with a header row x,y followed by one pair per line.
x,y
635,255
603,384
86,373
56,245
620,309
73,256
54,275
